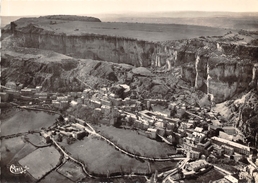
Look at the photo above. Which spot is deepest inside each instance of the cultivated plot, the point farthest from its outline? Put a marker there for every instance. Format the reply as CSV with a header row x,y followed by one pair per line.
x,y
55,177
133,142
23,121
12,150
101,158
72,171
41,161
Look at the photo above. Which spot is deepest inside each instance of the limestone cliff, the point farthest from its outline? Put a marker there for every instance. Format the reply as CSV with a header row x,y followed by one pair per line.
x,y
97,47
219,65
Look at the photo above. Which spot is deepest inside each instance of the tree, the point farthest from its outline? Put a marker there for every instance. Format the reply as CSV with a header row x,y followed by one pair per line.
x,y
59,138
6,148
60,118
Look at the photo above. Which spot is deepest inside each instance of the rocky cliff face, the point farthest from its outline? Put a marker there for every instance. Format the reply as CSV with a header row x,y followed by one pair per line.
x,y
97,47
222,71
55,72
211,64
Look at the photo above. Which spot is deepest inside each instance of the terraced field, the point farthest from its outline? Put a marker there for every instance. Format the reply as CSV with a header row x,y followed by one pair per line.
x,y
23,121
41,161
133,142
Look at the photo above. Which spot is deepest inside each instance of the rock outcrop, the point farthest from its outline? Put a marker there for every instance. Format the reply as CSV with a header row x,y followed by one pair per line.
x,y
207,63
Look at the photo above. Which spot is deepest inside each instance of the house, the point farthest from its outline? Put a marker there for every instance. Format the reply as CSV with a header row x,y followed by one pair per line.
x,y
147,115
213,127
55,103
14,93
188,143
79,94
61,98
180,112
224,135
95,103
178,137
198,136
216,123
42,98
238,148
168,132
198,129
73,103
53,97
46,136
170,126
161,131
185,125
218,150
159,124
97,112
73,94
79,135
152,133
64,104
105,102
42,94
26,91
106,109
193,154
38,89
228,150
4,96
80,100
145,126
68,134
78,126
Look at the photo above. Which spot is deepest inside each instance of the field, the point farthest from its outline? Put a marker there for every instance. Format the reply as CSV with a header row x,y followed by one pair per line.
x,y
55,177
141,31
23,121
36,139
12,150
72,171
133,142
99,157
161,166
41,161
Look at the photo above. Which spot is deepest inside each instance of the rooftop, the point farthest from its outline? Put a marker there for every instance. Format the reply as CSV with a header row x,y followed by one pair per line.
x,y
231,143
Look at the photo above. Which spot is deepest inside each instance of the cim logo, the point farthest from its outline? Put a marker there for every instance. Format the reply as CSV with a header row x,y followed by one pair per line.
x,y
18,169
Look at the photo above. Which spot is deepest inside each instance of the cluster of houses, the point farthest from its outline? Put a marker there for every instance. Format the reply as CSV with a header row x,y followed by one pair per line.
x,y
69,130
197,131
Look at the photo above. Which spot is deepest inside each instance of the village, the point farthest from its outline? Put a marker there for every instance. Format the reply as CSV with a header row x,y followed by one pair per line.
x,y
201,141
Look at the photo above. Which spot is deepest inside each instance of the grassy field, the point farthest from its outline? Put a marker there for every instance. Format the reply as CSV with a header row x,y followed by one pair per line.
x,y
55,177
160,166
141,31
72,171
133,142
99,157
41,161
36,139
12,150
23,121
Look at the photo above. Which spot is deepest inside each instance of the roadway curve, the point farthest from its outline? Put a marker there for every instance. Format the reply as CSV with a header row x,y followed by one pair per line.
x,y
93,132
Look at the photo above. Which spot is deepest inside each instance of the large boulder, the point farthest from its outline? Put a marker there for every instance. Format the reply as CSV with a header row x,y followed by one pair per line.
x,y
142,71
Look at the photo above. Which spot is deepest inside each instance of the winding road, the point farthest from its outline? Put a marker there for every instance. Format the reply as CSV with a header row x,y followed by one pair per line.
x,y
92,131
